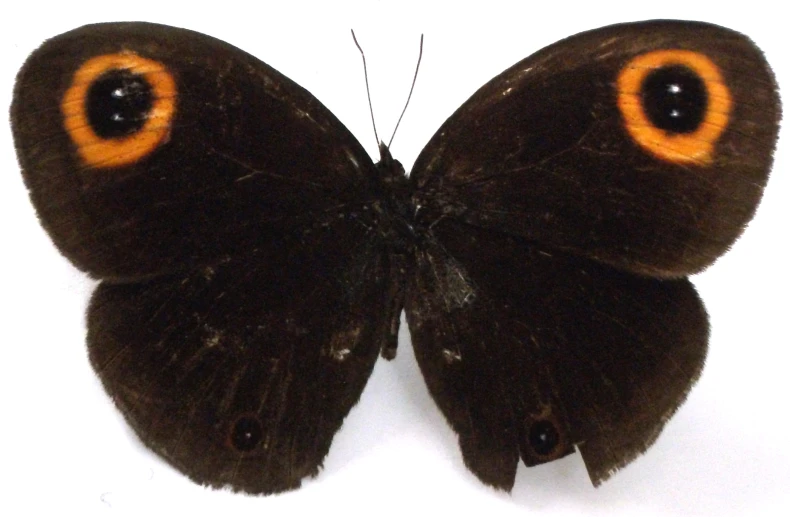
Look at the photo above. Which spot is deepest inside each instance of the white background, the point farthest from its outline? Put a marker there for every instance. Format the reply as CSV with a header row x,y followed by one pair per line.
x,y
64,447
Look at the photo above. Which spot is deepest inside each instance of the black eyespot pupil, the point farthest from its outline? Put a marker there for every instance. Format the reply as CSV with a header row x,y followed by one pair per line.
x,y
543,437
246,434
675,99
118,103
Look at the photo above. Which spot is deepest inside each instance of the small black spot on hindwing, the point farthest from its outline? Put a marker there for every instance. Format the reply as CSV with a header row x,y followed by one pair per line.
x,y
246,434
543,437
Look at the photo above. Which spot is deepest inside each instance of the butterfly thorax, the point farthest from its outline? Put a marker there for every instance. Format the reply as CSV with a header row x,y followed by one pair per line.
x,y
394,208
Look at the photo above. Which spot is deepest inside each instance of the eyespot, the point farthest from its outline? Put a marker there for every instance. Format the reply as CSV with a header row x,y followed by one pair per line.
x,y
674,99
674,104
246,433
118,108
118,104
544,438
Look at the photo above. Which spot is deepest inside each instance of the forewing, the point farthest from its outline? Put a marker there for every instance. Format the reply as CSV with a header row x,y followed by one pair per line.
x,y
531,352
585,147
226,155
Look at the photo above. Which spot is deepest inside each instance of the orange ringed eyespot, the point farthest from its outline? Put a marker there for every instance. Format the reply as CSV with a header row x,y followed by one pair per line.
x,y
118,108
690,90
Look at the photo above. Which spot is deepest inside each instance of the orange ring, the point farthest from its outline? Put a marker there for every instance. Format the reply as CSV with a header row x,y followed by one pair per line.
x,y
99,152
696,147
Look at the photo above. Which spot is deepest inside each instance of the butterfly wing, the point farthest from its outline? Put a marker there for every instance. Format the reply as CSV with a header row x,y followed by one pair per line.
x,y
550,351
241,373
227,212
231,152
569,157
566,201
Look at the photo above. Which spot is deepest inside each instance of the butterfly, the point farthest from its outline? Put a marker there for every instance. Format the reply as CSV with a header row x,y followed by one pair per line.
x,y
255,262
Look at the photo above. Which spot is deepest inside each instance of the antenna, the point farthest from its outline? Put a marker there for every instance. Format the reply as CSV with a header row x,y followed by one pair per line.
x,y
413,82
367,85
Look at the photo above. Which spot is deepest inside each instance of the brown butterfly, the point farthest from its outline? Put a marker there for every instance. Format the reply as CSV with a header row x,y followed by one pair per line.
x,y
254,261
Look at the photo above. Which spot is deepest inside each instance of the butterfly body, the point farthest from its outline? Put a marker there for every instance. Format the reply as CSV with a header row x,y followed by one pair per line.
x,y
255,261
